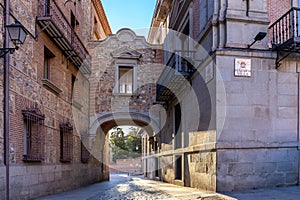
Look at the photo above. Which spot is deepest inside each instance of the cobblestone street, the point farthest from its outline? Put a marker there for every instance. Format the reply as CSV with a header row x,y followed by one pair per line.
x,y
123,187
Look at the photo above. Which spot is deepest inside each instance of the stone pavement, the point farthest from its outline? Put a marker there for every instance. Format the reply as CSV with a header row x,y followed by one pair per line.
x,y
278,193
123,187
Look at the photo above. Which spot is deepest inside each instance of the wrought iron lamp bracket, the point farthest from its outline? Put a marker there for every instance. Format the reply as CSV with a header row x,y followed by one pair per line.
x,y
4,51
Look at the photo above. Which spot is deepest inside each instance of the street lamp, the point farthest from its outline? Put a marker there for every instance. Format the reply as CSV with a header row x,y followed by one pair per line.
x,y
17,34
258,37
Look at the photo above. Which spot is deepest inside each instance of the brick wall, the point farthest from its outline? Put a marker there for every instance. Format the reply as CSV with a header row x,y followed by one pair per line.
x,y
277,8
32,179
196,19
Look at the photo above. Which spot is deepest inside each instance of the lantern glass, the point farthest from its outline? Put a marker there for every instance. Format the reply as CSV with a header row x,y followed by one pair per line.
x,y
16,33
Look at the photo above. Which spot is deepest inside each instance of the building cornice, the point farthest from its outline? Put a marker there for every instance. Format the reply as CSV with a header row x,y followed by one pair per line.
x,y
160,13
101,14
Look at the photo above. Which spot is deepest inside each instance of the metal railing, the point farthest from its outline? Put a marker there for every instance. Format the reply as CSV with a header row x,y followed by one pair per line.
x,y
179,69
285,28
181,62
49,8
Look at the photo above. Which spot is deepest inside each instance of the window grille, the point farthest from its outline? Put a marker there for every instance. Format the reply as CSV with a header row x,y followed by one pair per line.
x,y
33,134
66,142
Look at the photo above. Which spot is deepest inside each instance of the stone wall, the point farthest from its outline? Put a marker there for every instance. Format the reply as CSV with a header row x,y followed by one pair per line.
x,y
33,180
130,165
104,98
257,146
110,108
247,133
198,131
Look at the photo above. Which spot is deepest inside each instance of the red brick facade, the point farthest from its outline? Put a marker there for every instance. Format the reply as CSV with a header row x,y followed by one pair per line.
x,y
53,97
277,8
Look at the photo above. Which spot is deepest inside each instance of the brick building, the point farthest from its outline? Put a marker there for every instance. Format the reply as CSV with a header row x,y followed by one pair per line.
x,y
231,95
48,96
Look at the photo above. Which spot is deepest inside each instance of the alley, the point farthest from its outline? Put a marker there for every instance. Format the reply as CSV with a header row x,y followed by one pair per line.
x,y
124,187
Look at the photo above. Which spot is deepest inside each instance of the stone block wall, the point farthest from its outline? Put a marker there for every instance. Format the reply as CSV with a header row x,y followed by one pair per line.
x,y
35,180
167,169
252,142
267,99
201,170
198,135
257,146
256,168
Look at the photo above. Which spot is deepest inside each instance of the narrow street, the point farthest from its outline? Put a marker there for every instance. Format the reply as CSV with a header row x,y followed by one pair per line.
x,y
124,187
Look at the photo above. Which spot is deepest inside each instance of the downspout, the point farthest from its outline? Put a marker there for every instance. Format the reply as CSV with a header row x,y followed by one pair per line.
x,y
215,24
6,98
295,3
222,16
298,122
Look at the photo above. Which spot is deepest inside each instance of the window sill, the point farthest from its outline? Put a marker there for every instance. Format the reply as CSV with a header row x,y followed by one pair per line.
x,y
84,160
65,160
123,94
27,158
51,86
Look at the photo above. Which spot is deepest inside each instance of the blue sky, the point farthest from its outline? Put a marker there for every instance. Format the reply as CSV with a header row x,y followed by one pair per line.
x,y
133,14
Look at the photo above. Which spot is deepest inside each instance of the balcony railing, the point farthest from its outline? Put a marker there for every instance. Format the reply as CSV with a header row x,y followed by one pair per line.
x,y
176,74
285,38
53,21
286,28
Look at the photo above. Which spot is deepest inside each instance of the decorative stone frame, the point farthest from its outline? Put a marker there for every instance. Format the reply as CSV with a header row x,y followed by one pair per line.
x,y
125,63
127,57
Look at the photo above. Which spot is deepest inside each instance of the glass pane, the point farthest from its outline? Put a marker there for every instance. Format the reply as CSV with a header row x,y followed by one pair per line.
x,y
125,79
46,67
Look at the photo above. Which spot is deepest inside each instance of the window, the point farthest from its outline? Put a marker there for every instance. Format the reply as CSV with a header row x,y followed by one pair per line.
x,y
47,7
74,24
206,12
66,142
95,29
48,57
178,167
85,154
156,173
185,38
73,20
185,46
73,92
125,80
33,134
178,127
203,13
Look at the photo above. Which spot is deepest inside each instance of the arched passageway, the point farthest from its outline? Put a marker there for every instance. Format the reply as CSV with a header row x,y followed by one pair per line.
x,y
98,140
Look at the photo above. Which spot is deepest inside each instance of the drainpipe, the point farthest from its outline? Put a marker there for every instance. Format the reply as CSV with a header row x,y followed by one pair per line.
x,y
215,25
6,98
298,122
222,16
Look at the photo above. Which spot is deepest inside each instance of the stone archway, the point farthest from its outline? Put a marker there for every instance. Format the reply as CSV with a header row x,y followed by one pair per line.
x,y
124,72
99,137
